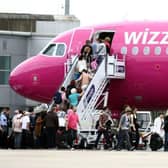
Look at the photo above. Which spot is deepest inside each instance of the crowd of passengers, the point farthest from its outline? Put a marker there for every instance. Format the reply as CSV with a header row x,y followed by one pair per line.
x,y
42,130
58,128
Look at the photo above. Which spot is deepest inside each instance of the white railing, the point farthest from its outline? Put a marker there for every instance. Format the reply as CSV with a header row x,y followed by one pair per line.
x,y
116,67
89,99
71,65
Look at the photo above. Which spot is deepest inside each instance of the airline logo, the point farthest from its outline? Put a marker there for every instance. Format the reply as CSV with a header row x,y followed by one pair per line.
x,y
146,37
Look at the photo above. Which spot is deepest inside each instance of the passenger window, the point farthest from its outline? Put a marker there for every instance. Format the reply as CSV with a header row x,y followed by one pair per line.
x,y
60,50
146,50
157,50
124,50
50,50
135,50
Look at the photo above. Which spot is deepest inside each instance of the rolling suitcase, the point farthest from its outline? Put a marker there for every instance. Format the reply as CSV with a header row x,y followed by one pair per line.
x,y
156,142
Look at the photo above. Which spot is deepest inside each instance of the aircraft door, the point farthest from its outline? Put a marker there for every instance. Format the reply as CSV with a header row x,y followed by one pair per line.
x,y
104,34
78,39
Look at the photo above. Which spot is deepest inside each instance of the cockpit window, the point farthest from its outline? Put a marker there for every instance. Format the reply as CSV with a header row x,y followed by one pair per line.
x,y
60,49
50,50
55,50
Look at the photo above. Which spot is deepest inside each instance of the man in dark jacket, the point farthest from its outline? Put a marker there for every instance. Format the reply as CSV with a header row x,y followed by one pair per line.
x,y
51,123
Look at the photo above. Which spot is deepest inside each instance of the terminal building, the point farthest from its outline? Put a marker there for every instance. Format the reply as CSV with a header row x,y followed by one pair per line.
x,y
23,36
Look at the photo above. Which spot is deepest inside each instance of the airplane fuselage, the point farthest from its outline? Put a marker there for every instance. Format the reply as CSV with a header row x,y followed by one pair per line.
x,y
145,45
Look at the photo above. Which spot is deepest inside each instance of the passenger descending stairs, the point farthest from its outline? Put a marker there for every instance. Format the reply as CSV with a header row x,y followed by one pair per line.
x,y
110,68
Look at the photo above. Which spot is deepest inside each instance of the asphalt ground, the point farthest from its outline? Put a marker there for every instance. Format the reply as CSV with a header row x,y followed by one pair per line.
x,y
82,159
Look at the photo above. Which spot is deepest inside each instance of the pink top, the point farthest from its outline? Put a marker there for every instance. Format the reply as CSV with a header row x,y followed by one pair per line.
x,y
63,96
73,120
94,65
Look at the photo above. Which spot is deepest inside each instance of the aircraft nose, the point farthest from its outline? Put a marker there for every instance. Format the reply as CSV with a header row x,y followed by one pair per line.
x,y
37,78
13,81
20,79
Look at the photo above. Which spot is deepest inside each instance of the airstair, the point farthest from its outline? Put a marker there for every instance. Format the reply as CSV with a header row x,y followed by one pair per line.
x,y
110,68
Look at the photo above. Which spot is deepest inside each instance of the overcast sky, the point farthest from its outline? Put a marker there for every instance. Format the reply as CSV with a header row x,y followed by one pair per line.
x,y
93,11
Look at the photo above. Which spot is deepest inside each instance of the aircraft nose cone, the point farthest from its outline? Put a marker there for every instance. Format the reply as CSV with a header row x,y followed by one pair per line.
x,y
17,79
13,82
24,78
33,78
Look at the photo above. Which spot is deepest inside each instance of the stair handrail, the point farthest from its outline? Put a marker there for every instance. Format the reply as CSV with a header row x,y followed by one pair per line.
x,y
84,110
70,73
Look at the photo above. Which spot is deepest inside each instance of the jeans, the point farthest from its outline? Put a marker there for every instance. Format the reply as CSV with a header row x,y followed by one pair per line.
x,y
72,135
106,136
124,137
17,140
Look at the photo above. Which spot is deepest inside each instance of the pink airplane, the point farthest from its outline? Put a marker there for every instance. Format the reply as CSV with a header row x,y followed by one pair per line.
x,y
144,45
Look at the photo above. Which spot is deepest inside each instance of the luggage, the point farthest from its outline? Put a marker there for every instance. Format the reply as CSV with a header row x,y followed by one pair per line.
x,y
156,142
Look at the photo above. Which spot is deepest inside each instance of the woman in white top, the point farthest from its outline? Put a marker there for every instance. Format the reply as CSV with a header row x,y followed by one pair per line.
x,y
17,128
159,125
25,129
82,64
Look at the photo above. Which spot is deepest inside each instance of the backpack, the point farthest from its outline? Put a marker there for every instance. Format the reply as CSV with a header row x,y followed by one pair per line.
x,y
57,98
156,142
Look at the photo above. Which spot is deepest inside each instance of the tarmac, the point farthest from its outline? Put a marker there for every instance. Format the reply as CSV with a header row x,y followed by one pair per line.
x,y
82,159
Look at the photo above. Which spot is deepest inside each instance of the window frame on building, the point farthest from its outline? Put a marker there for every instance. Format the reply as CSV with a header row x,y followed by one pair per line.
x,y
5,69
